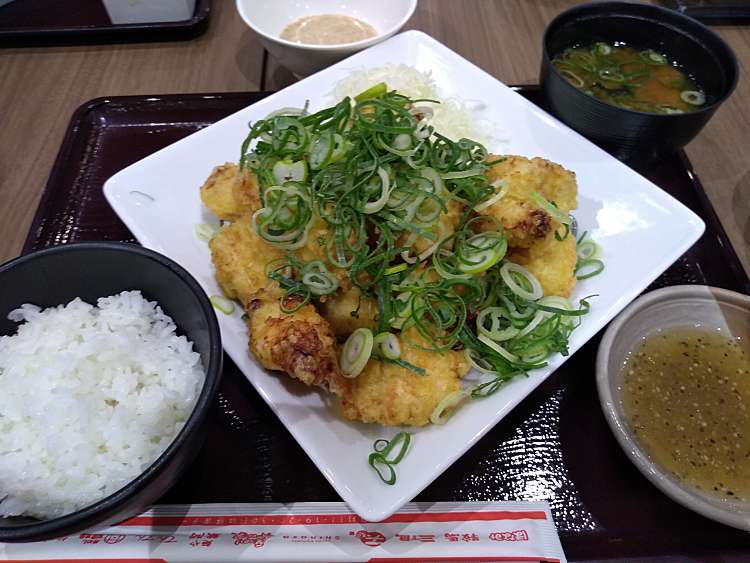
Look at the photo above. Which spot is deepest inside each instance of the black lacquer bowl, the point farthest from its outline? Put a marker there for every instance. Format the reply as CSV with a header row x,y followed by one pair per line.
x,y
625,133
91,270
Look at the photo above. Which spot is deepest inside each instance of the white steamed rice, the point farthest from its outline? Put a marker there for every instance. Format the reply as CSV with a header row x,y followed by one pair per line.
x,y
90,396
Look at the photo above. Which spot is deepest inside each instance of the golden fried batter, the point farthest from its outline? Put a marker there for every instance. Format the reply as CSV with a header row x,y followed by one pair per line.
x,y
523,220
240,257
392,395
553,262
338,312
229,194
301,344
315,249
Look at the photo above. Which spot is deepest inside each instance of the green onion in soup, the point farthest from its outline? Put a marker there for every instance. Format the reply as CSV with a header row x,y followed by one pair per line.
x,y
623,76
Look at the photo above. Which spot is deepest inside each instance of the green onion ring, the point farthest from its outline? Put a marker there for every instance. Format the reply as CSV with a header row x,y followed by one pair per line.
x,y
555,212
222,304
447,406
503,189
610,75
497,348
496,315
479,363
652,57
379,459
594,267
356,352
379,464
602,48
320,283
693,97
205,232
387,345
535,322
385,192
573,78
507,272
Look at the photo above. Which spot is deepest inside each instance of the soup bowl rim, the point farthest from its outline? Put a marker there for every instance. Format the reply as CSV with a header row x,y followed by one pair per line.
x,y
615,10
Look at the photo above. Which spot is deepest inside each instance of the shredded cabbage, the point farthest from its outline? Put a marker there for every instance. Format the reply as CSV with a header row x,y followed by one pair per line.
x,y
453,118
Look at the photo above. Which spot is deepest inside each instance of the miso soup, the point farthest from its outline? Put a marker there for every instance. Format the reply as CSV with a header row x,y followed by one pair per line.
x,y
620,75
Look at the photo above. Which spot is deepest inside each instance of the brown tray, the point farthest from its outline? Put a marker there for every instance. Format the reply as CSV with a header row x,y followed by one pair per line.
x,y
555,446
54,22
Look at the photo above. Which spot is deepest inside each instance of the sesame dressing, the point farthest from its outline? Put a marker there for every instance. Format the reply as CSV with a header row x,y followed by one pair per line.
x,y
686,394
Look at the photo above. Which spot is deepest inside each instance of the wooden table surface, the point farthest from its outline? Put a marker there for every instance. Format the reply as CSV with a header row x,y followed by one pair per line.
x,y
41,87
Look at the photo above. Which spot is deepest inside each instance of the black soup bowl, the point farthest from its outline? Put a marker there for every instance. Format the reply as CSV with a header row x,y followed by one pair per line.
x,y
91,270
629,134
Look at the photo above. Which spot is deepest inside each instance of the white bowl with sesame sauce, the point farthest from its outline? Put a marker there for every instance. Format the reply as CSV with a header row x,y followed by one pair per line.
x,y
669,310
268,18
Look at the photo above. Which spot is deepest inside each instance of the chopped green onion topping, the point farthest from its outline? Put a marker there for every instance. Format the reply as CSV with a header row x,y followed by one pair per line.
x,y
588,269
480,252
588,255
356,352
387,345
304,280
561,237
286,170
387,454
497,348
521,282
445,408
502,190
376,91
205,232
611,75
395,269
373,171
494,323
552,209
222,304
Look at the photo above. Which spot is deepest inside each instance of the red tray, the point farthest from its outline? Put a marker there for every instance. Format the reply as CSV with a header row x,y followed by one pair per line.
x,y
555,446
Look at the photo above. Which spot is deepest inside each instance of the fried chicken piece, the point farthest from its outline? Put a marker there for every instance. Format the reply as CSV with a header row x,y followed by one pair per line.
x,y
338,312
240,257
230,193
301,344
553,262
393,395
523,220
233,195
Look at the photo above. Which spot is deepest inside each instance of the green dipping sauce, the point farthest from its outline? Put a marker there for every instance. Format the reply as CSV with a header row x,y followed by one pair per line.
x,y
686,396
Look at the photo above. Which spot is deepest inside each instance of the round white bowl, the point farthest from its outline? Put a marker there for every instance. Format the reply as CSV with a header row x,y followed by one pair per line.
x,y
697,306
268,18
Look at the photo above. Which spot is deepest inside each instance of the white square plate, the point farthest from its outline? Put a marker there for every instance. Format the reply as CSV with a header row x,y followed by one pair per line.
x,y
641,229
